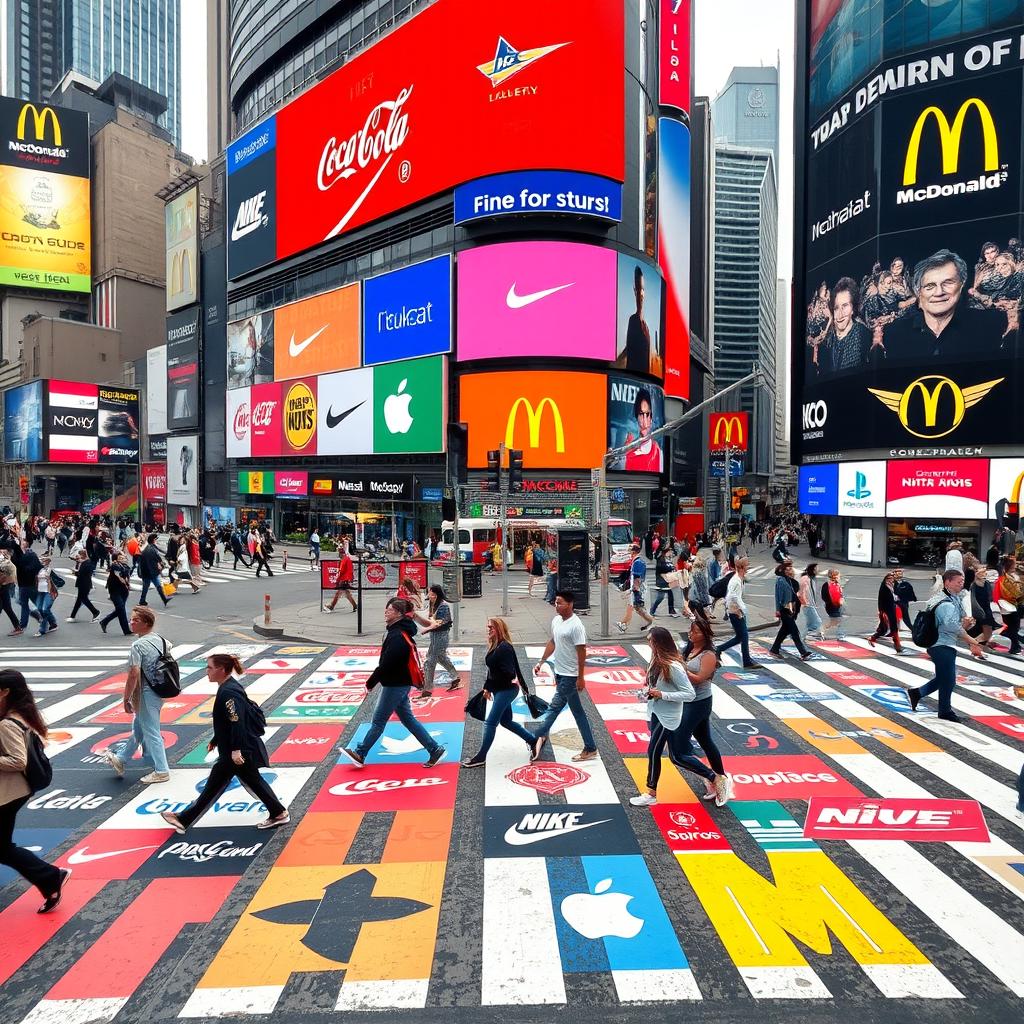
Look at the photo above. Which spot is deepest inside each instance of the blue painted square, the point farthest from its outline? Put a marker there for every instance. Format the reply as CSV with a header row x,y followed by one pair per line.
x,y
819,489
579,954
396,746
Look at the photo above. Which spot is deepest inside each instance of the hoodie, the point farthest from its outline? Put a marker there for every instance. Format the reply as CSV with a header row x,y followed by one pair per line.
x,y
395,654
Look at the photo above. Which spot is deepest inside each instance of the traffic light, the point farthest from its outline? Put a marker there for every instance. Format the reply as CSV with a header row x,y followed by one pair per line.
x,y
458,448
515,470
494,470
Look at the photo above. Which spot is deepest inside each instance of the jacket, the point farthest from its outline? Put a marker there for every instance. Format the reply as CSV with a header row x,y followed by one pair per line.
x,y
83,577
393,667
13,761
28,567
676,690
808,598
905,591
832,598
234,726
502,666
785,596
886,603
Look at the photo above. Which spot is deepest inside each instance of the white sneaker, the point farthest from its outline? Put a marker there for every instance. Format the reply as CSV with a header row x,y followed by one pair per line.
x,y
620,626
70,620
723,789
643,800
709,790
156,777
114,761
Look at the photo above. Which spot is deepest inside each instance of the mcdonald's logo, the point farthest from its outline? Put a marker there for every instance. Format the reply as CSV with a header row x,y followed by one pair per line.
x,y
39,119
729,430
533,422
926,415
950,138
182,273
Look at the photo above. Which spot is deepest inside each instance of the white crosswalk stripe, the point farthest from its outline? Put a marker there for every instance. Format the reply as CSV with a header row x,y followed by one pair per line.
x,y
225,575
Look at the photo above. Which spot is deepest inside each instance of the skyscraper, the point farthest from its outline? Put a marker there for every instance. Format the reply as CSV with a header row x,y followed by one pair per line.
x,y
746,111
42,41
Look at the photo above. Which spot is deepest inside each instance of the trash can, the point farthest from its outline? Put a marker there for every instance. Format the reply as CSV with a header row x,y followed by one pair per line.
x,y
472,581
448,579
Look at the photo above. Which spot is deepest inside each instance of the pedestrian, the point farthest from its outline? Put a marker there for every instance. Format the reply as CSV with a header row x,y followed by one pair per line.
x,y
663,567
567,650
238,727
889,614
343,584
141,701
132,547
83,585
173,544
8,583
904,591
981,586
150,564
536,565
19,719
438,623
397,672
410,590
63,536
679,696
1008,592
949,621
780,552
501,688
787,608
808,596
195,558
834,602
260,554
237,550
637,593
183,570
28,567
118,589
50,534
736,612
698,597
314,550
46,589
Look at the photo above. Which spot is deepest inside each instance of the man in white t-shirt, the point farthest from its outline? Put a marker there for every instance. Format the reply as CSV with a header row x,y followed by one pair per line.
x,y
568,644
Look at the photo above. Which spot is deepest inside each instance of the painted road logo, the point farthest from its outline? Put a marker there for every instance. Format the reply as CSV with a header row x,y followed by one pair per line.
x,y
548,777
913,820
568,830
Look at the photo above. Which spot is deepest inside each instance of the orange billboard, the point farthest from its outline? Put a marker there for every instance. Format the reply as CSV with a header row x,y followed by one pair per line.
x,y
317,335
558,419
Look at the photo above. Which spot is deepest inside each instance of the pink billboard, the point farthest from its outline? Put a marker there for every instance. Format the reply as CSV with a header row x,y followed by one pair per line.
x,y
290,484
537,299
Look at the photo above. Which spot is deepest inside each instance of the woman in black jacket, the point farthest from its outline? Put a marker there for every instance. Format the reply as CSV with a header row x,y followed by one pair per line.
x,y
83,585
501,689
787,607
397,672
889,614
237,737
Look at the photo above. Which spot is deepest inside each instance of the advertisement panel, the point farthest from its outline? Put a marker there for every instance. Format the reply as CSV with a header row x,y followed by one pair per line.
x,y
156,390
345,413
674,55
862,489
154,482
557,418
265,420
252,199
635,408
410,405
183,369
537,299
183,470
238,417
23,423
290,485
539,192
299,417
1005,480
45,225
377,135
181,235
118,425
251,350
947,488
408,312
858,545
674,250
317,335
72,421
819,489
639,304
729,430
915,819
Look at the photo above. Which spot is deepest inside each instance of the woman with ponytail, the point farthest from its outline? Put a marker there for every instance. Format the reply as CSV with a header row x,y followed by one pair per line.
x,y
238,726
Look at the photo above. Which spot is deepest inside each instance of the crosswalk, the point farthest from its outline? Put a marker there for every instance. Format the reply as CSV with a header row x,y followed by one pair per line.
x,y
223,574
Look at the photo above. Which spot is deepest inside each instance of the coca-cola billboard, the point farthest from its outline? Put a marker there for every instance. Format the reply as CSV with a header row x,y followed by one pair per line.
x,y
265,419
383,131
154,482
239,423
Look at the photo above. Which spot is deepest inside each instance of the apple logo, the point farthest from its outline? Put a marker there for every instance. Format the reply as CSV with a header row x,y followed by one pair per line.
x,y
396,411
601,914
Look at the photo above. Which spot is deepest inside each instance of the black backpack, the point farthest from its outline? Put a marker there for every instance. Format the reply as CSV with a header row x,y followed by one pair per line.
x,y
259,719
38,770
167,680
926,629
719,588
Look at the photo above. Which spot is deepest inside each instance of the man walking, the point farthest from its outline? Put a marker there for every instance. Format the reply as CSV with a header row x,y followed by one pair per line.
x,y
736,610
637,593
150,564
237,550
950,623
568,644
28,570
343,585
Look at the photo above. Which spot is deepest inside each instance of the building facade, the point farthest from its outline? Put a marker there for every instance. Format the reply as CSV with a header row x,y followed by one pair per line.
x,y
746,111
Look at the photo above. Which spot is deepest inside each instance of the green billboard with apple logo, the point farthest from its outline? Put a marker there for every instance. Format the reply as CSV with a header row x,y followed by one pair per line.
x,y
409,405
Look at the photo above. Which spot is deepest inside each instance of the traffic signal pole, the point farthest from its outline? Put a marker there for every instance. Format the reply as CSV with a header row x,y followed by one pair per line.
x,y
505,546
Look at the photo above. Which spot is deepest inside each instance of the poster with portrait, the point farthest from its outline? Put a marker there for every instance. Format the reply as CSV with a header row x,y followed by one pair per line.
x,y
639,338
635,408
251,350
23,423
183,470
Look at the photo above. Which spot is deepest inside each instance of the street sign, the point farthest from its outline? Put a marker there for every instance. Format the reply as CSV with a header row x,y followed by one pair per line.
x,y
736,468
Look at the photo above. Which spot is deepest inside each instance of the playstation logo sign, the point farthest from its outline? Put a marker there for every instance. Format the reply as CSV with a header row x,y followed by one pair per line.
x,y
860,487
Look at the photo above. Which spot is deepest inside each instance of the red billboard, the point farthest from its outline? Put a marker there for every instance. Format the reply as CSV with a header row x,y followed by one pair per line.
x,y
461,91
266,419
674,55
950,488
154,482
728,430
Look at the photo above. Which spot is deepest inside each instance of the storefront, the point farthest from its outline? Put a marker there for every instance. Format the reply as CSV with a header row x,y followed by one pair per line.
x,y
924,541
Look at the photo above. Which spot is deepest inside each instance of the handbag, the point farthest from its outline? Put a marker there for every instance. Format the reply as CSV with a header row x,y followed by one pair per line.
x,y
535,705
476,706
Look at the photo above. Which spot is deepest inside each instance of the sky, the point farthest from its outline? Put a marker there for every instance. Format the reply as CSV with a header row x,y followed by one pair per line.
x,y
193,78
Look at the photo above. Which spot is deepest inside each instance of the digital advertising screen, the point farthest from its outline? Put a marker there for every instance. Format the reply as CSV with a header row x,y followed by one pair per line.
x,y
181,234
23,423
318,334
251,350
183,470
635,408
45,220
183,332
639,337
674,251
252,199
819,489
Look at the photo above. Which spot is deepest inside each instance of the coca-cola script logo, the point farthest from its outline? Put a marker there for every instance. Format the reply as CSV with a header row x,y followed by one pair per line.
x,y
241,423
263,413
547,777
375,143
383,785
376,574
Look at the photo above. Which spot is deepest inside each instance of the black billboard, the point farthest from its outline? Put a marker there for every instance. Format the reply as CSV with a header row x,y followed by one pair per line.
x,y
118,425
183,338
44,137
252,199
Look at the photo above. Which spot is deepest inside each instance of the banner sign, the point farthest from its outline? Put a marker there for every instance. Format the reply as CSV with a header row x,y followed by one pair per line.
x,y
674,55
545,192
729,430
916,820
674,250
154,482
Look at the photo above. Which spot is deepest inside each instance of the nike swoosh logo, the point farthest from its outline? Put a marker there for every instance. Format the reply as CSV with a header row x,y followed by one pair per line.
x,y
81,857
514,301
514,838
296,350
333,421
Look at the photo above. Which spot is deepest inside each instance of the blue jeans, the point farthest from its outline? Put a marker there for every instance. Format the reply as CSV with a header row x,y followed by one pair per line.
x,y
944,679
500,713
567,694
742,637
394,700
662,594
151,581
46,620
695,721
146,732
26,596
1020,791
812,619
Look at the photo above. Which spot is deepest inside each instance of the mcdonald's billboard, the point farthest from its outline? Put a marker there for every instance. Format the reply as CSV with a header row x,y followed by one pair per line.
x,y
558,419
45,236
181,231
728,430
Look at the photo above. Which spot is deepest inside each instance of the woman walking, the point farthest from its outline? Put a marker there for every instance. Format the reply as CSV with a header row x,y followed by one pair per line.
x,y
83,585
663,567
536,566
808,596
1008,593
889,614
19,718
314,550
698,597
118,589
195,558
438,624
48,593
787,606
679,708
501,687
835,604
238,727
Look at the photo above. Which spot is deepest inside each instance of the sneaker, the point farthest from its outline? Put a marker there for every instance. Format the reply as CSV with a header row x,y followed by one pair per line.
x,y
16,632
751,664
914,696
114,761
69,619
805,657
646,626
709,790
904,653
674,615
52,902
437,755
643,800
281,819
472,762
723,789
103,626
620,626
95,617
355,758
174,821
155,777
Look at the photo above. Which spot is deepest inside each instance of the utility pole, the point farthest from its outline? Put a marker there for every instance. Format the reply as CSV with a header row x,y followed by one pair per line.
x,y
504,532
728,489
457,602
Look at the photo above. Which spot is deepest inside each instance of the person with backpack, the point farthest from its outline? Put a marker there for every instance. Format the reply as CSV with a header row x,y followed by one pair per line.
x,y
938,628
835,604
142,701
238,727
398,672
663,567
736,610
787,607
637,593
24,770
